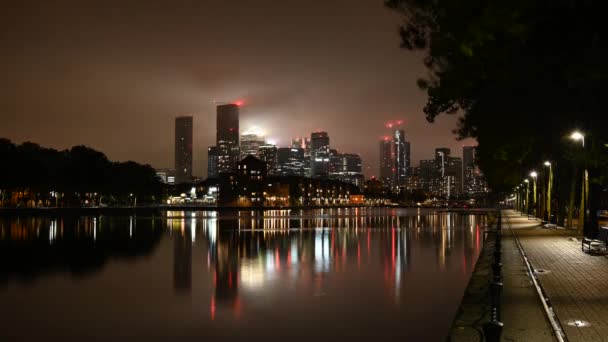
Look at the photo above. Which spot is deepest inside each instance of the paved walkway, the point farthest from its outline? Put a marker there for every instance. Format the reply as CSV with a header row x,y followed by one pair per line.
x,y
521,313
575,283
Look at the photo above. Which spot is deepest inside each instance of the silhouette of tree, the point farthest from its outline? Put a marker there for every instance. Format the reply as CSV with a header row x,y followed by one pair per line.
x,y
522,75
31,172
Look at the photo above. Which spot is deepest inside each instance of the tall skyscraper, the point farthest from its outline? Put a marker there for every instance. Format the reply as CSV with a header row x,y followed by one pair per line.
x,y
227,137
183,149
453,177
401,155
468,168
304,143
386,161
441,160
320,154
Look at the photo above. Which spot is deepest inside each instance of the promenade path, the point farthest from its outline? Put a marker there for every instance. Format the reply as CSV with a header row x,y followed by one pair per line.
x,y
575,283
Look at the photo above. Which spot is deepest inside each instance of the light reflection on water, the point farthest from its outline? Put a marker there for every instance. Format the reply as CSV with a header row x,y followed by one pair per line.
x,y
380,273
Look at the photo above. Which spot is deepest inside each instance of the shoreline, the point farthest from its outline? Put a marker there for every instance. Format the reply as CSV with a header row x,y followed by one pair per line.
x,y
157,210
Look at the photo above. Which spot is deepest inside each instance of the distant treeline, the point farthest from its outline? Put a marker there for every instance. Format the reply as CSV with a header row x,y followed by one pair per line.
x,y
32,175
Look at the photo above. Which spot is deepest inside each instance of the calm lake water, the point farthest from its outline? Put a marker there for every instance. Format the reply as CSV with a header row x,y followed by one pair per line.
x,y
356,274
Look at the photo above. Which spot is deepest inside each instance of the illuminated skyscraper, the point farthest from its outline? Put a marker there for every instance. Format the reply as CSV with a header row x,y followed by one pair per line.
x,y
319,154
268,154
401,155
290,161
227,138
183,149
250,144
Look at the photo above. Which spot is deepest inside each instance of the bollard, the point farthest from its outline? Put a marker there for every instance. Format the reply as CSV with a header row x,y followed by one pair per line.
x,y
496,271
497,256
495,292
492,331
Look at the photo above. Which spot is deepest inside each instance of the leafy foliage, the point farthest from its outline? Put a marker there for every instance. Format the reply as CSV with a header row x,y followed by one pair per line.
x,y
521,74
74,172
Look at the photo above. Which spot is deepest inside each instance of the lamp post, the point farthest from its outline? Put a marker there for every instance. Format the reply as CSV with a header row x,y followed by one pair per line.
x,y
578,136
548,192
534,175
526,201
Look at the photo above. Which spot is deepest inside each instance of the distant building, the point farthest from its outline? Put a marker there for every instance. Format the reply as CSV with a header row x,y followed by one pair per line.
x,y
268,154
320,154
304,143
250,144
290,161
427,172
473,180
227,137
347,168
453,177
401,157
166,176
386,171
183,149
212,162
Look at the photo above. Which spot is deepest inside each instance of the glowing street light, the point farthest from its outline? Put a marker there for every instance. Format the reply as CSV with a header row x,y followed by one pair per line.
x,y
533,174
547,214
576,136
526,201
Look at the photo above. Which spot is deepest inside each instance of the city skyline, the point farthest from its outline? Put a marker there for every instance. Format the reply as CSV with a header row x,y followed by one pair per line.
x,y
126,81
261,137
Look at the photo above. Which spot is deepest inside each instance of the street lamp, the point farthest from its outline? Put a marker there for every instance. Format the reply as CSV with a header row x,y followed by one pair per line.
x,y
548,192
578,136
526,201
533,174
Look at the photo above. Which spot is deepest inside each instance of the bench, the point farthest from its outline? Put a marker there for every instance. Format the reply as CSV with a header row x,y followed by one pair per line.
x,y
598,244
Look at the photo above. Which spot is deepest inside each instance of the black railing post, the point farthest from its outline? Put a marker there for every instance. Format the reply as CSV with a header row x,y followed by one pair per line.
x,y
493,329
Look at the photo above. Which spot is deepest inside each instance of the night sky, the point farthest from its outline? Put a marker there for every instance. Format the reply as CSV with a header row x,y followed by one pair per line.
x,y
113,75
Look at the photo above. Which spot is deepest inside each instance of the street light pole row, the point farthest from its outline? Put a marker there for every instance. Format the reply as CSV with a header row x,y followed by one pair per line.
x,y
524,205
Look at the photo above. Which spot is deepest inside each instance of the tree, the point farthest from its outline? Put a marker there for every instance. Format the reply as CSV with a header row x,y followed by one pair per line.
x,y
521,75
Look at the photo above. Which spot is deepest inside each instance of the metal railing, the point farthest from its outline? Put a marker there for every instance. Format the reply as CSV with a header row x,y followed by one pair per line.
x,y
492,330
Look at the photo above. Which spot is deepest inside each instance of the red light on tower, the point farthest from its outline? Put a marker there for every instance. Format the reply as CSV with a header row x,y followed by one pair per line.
x,y
386,138
399,122
239,103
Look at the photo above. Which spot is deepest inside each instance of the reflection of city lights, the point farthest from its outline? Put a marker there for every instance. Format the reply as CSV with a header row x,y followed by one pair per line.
x,y
212,308
53,231
193,228
212,231
252,274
